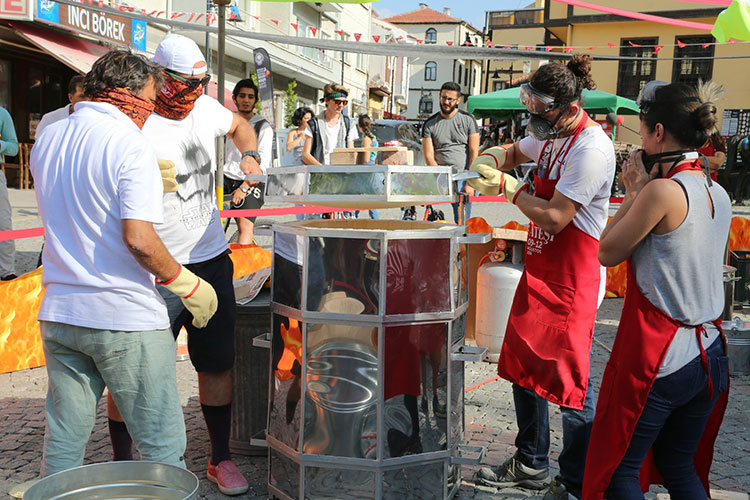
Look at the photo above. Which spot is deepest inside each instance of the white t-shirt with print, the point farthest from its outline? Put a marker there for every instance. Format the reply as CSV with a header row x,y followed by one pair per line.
x,y
329,135
233,156
192,229
585,175
91,171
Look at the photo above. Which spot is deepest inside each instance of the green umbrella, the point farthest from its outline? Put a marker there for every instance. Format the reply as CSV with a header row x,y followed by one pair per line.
x,y
503,104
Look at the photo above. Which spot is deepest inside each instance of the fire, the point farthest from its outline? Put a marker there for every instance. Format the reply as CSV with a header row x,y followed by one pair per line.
x,y
292,349
248,259
20,339
739,234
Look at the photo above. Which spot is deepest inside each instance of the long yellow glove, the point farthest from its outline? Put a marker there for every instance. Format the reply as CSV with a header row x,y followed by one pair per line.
x,y
511,188
488,166
198,296
168,175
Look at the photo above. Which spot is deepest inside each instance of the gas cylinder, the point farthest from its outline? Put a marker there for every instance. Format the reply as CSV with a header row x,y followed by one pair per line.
x,y
496,286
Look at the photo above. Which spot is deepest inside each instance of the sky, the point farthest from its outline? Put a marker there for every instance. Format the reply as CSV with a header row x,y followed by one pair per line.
x,y
471,11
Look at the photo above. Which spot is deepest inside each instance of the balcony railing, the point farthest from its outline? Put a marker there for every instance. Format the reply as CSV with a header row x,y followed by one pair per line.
x,y
507,18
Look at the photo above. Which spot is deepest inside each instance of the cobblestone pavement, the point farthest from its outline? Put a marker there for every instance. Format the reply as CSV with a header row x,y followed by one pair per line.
x,y
489,415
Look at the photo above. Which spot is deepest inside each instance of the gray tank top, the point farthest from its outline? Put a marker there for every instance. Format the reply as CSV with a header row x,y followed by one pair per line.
x,y
680,272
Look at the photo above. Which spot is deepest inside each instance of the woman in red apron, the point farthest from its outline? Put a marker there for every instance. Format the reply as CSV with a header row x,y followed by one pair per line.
x,y
664,389
548,337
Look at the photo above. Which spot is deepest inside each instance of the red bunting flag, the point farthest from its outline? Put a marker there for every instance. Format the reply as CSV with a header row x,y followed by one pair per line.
x,y
548,48
100,3
376,38
314,30
568,50
357,36
528,48
704,45
339,33
657,49
419,41
399,38
190,19
633,44
211,18
507,46
612,45
158,14
199,16
732,41
449,43
256,17
681,44
490,44
590,48
295,26
175,15
275,21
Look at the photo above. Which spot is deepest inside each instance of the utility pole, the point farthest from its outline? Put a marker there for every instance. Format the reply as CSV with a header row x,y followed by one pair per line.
x,y
221,48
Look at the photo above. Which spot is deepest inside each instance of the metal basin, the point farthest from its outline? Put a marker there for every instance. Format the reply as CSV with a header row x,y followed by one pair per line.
x,y
117,481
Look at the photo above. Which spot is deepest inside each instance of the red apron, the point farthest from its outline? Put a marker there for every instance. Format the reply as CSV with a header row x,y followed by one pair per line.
x,y
548,338
642,341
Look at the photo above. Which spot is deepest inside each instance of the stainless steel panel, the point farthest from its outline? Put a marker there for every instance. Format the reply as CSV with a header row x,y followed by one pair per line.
x,y
327,483
341,391
414,369
456,404
284,473
458,329
418,276
422,482
285,392
117,480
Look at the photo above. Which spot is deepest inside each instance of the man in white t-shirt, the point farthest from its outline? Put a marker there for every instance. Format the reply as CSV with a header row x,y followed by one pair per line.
x,y
75,94
325,132
103,324
183,129
244,194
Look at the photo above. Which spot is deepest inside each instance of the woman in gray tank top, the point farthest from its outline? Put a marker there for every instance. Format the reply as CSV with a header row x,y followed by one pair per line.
x,y
668,367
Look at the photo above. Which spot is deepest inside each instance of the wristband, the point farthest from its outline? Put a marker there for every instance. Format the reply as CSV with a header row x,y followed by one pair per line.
x,y
252,153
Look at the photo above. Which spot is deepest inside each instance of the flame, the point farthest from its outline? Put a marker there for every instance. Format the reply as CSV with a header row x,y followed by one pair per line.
x,y
20,338
739,234
248,259
292,349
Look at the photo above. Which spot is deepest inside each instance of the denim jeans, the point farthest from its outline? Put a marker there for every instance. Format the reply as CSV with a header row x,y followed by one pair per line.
x,y
461,187
532,441
672,422
138,369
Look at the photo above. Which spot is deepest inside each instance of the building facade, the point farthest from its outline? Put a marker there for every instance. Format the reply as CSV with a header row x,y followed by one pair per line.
x,y
428,26
388,82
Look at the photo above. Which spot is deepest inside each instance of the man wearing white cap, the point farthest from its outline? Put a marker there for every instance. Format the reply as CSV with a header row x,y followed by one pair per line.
x,y
183,129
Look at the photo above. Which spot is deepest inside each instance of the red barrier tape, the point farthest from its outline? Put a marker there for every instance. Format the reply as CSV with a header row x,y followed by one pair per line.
x,y
255,212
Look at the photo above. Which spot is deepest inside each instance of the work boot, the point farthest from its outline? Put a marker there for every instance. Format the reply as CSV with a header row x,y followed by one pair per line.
x,y
514,473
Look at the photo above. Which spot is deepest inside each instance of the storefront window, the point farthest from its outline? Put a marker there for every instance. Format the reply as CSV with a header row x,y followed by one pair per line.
x,y
4,84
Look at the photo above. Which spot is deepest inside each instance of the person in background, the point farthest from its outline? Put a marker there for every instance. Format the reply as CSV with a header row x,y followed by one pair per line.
x,y
246,195
367,140
295,140
669,352
9,147
331,130
451,137
183,130
99,192
715,151
75,94
547,345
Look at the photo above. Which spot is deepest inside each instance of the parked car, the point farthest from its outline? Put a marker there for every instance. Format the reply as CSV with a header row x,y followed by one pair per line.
x,y
398,133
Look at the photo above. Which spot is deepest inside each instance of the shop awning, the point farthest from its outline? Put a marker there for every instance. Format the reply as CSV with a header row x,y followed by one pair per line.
x,y
69,50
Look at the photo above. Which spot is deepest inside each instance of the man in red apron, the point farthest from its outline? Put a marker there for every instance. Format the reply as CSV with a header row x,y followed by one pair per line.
x,y
548,338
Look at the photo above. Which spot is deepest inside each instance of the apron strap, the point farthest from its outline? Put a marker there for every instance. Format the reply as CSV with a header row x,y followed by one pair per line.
x,y
700,329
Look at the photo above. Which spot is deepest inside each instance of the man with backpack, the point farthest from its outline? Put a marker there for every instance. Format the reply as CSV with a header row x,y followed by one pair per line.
x,y
324,133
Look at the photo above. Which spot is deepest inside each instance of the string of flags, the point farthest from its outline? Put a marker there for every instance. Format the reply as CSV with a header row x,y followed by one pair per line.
x,y
210,18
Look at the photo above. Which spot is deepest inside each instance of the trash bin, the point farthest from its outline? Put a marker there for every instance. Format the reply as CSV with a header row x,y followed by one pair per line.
x,y
250,376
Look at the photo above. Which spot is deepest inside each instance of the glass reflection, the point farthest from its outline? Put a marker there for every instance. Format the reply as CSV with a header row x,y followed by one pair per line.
x,y
423,482
458,328
460,275
287,184
285,392
418,276
343,183
341,391
283,473
457,403
347,271
419,184
287,269
415,388
321,483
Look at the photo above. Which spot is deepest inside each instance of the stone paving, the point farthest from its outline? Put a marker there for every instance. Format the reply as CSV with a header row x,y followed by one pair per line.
x,y
489,415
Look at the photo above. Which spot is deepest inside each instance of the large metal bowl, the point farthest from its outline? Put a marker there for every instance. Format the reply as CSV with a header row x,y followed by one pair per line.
x,y
117,481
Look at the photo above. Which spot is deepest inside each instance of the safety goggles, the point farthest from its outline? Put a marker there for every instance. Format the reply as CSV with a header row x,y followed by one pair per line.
x,y
647,95
536,102
192,83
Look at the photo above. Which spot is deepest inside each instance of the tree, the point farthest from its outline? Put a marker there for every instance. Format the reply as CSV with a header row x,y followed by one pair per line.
x,y
290,103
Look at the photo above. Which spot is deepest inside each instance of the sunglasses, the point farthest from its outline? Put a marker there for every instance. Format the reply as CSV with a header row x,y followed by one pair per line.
x,y
192,83
343,102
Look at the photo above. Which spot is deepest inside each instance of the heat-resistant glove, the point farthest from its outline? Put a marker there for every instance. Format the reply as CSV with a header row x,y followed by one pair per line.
x,y
168,175
511,188
487,165
198,296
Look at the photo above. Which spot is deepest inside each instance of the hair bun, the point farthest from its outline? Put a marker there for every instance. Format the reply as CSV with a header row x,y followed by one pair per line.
x,y
580,66
704,117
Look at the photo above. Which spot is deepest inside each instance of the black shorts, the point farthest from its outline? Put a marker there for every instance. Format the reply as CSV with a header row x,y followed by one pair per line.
x,y
212,348
253,199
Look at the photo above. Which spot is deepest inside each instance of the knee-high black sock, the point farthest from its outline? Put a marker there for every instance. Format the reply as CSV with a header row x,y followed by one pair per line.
x,y
218,422
411,406
122,443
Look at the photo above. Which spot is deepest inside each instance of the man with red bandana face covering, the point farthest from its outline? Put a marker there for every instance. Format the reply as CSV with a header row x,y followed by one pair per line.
x,y
183,129
102,322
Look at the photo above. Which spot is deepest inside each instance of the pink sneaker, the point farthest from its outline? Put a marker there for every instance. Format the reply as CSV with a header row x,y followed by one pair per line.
x,y
227,477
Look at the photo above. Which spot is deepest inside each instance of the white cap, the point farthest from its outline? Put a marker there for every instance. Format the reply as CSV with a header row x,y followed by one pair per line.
x,y
180,54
